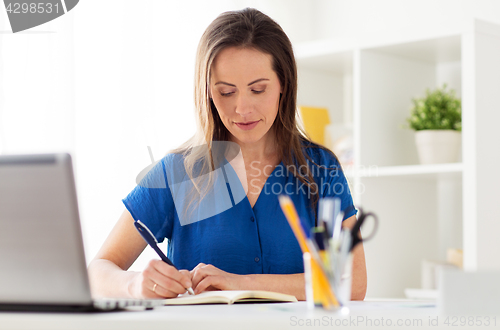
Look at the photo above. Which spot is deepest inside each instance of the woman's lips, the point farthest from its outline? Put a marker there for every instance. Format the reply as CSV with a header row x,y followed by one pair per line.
x,y
248,125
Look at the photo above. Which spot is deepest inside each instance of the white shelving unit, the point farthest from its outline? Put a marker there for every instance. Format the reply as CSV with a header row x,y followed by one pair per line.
x,y
423,209
416,171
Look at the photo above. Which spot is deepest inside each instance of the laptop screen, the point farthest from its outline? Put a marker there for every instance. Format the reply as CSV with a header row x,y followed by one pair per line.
x,y
42,259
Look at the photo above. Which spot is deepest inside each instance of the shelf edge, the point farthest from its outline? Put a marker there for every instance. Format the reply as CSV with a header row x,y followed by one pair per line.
x,y
404,170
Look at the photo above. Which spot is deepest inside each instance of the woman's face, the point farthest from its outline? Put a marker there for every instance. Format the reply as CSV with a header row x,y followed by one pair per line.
x,y
246,92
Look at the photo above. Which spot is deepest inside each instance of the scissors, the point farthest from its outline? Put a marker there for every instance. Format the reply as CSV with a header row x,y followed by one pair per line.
x,y
362,216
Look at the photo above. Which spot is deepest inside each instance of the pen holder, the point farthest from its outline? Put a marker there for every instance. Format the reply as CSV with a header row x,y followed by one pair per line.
x,y
344,286
318,289
323,288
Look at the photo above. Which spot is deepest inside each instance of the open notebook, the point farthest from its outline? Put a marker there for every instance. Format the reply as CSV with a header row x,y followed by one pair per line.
x,y
230,297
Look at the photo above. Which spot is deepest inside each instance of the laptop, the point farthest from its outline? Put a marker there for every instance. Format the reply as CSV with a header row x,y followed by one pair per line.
x,y
42,260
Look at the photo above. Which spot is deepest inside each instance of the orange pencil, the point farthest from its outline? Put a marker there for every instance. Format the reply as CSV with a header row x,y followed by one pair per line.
x,y
294,221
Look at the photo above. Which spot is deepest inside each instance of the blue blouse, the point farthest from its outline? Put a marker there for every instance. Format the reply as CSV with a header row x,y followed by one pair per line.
x,y
241,239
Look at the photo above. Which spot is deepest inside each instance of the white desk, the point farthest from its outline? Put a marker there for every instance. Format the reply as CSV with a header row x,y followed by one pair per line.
x,y
367,314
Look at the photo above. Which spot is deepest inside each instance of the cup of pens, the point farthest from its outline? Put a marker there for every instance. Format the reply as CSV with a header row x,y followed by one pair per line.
x,y
327,251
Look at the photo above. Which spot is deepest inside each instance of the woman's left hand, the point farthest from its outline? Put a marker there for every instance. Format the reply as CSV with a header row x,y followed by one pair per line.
x,y
210,278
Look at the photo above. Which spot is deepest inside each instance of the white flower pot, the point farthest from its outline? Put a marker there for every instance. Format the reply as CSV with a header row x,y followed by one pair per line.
x,y
438,146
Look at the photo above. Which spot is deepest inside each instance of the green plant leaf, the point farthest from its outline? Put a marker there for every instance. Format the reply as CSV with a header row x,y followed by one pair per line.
x,y
439,109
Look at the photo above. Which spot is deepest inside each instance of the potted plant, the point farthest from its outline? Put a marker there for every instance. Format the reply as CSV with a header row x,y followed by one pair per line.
x,y
437,120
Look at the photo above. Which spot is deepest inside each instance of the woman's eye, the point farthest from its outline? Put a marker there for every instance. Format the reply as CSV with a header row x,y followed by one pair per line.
x,y
225,94
258,92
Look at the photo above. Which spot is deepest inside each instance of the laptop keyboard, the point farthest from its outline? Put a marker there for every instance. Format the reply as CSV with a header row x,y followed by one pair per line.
x,y
111,304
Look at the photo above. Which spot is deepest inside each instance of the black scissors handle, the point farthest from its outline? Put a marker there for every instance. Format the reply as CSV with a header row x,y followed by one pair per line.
x,y
355,237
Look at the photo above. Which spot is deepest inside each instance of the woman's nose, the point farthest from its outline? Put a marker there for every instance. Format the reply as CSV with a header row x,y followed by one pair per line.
x,y
243,105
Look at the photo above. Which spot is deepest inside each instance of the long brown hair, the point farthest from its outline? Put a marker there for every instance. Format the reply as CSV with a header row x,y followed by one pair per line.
x,y
252,29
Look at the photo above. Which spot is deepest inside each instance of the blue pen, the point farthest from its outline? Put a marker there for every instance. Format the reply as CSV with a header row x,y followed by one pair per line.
x,y
151,240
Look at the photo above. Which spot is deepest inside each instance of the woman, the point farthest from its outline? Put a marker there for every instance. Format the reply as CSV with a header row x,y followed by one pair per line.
x,y
245,93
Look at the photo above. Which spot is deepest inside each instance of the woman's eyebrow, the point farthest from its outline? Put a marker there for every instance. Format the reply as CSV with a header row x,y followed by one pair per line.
x,y
258,80
224,83
253,82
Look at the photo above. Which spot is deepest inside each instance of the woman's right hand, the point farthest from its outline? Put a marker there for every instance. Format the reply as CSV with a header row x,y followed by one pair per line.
x,y
160,280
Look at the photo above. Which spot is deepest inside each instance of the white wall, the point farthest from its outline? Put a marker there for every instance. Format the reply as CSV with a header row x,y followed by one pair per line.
x,y
362,18
36,88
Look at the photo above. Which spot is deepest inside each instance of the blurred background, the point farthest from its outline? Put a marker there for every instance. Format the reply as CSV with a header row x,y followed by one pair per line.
x,y
111,78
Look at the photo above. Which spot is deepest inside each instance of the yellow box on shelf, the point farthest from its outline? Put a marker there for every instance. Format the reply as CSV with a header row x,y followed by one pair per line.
x,y
315,120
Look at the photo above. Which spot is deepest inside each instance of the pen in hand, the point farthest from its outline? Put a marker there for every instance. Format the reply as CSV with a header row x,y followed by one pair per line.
x,y
151,240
